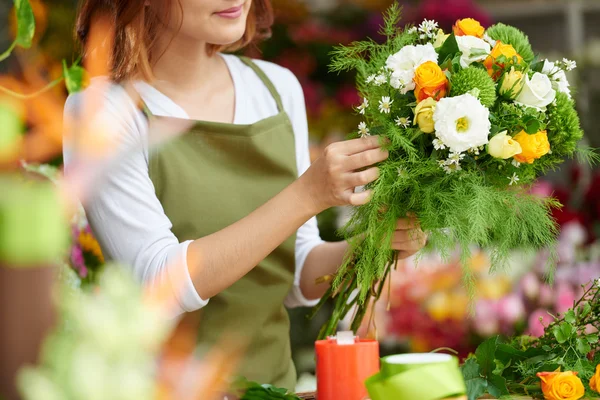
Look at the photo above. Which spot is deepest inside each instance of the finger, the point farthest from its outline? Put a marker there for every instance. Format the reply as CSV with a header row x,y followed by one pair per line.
x,y
359,199
354,146
365,159
363,177
407,223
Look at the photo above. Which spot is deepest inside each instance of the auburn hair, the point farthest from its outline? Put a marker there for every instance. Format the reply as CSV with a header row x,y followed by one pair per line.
x,y
138,24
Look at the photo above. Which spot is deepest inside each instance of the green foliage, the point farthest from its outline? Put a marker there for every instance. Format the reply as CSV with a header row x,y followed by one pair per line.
x,y
511,35
256,391
564,125
25,23
565,345
471,78
74,77
448,50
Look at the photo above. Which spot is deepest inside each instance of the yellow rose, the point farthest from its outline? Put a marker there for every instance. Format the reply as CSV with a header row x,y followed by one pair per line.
x,y
503,146
430,81
561,385
500,49
440,39
595,381
424,115
511,84
468,27
532,146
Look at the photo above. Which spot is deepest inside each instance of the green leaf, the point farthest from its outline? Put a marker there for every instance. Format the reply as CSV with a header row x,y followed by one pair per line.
x,y
531,124
448,50
583,346
570,316
485,354
562,332
74,77
592,338
25,23
476,385
497,386
587,308
500,367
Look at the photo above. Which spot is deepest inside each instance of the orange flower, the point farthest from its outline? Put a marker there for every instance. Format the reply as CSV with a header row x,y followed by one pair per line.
x,y
561,385
595,381
430,81
468,27
532,146
500,49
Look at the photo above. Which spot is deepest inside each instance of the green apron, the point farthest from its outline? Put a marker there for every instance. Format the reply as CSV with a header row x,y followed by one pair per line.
x,y
209,178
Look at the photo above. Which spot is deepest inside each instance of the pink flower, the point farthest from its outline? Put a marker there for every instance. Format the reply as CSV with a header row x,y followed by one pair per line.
x,y
530,285
511,309
546,295
538,322
542,189
486,318
78,261
565,298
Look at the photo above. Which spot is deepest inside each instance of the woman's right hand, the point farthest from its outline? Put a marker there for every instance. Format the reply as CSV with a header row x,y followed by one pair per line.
x,y
331,179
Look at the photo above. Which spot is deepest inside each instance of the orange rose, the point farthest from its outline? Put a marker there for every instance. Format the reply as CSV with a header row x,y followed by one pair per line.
x,y
430,81
468,27
533,146
595,381
500,49
561,385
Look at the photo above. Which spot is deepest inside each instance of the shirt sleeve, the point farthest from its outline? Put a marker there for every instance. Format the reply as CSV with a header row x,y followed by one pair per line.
x,y
307,237
123,210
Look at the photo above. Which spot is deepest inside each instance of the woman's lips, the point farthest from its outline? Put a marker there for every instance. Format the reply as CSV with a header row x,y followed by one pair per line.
x,y
233,12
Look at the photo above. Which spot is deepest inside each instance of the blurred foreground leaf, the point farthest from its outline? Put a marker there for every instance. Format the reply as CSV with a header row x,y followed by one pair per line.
x,y
25,23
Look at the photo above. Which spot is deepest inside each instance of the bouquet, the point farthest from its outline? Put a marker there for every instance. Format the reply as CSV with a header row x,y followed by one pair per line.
x,y
470,118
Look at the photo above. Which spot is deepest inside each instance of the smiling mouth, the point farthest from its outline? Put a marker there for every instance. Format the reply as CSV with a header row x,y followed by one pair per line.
x,y
233,12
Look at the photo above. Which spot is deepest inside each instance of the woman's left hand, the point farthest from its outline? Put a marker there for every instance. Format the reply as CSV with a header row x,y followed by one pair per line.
x,y
408,238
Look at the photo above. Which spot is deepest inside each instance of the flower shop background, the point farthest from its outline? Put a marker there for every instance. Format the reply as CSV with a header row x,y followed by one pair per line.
x,y
427,307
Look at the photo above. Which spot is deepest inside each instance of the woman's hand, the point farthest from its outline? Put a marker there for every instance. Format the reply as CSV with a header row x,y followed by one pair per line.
x,y
331,179
408,238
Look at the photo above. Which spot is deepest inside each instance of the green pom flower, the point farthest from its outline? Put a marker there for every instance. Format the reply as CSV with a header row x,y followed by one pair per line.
x,y
475,81
511,35
564,126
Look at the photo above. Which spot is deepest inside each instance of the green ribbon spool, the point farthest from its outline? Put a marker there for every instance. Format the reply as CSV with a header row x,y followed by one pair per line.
x,y
429,376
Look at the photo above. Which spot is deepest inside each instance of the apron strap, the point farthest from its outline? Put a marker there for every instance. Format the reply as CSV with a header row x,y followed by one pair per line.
x,y
266,81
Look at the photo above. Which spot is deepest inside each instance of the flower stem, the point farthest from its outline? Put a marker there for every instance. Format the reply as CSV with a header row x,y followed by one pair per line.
x,y
7,53
22,96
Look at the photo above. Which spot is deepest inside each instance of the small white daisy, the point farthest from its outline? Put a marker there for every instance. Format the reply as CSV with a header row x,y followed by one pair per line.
x,y
474,150
514,179
438,144
385,105
450,168
455,158
363,130
570,65
370,78
515,163
380,80
412,30
428,29
402,122
363,106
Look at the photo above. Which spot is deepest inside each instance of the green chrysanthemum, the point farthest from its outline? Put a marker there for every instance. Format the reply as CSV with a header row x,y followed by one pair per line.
x,y
476,81
517,39
564,126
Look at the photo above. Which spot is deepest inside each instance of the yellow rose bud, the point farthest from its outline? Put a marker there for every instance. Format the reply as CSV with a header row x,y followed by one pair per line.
x,y
511,84
503,146
595,381
532,146
500,49
430,81
468,27
424,115
561,385
440,39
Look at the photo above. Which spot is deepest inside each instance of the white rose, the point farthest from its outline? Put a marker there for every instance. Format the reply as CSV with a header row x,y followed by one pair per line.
x,y
557,77
403,80
473,50
537,92
462,122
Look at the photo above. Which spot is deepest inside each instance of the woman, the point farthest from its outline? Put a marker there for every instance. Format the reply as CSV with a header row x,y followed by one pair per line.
x,y
230,204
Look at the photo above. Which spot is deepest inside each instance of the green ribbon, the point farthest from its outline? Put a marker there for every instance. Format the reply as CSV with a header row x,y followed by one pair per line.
x,y
417,376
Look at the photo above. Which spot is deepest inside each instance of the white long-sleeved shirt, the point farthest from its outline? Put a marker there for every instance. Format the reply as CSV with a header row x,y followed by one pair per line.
x,y
125,214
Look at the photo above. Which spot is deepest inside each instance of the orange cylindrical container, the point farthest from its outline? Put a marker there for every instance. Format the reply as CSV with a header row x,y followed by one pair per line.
x,y
343,368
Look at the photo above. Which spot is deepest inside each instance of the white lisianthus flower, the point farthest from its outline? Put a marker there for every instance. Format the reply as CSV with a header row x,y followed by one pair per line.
x,y
537,92
489,40
557,77
404,63
473,50
403,81
461,122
